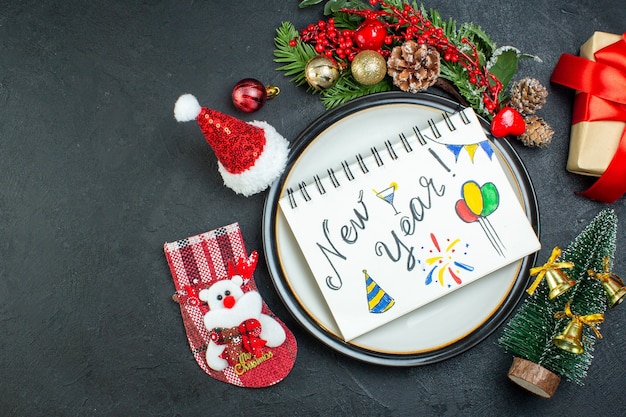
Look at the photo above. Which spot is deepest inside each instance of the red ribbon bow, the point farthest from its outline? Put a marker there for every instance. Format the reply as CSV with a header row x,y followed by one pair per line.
x,y
602,86
250,331
244,337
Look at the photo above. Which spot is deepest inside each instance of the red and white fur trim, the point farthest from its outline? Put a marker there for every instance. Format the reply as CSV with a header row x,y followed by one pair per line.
x,y
269,165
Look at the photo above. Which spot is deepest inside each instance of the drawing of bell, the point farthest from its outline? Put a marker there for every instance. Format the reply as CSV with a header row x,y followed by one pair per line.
x,y
615,289
570,339
558,282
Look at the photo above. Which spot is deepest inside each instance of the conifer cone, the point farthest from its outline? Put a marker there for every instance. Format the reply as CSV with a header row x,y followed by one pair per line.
x,y
538,133
528,96
413,67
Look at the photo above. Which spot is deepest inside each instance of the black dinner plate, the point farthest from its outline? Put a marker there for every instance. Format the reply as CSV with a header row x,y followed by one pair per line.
x,y
437,331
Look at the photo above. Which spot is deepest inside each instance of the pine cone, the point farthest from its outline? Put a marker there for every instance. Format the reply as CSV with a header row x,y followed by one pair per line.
x,y
413,67
538,132
528,96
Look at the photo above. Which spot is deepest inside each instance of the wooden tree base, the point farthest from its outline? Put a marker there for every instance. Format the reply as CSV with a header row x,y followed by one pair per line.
x,y
534,378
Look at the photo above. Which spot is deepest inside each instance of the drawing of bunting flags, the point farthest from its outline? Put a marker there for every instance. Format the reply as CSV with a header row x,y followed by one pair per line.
x,y
471,149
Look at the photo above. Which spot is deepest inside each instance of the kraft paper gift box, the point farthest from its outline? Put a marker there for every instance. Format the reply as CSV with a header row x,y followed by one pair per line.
x,y
593,144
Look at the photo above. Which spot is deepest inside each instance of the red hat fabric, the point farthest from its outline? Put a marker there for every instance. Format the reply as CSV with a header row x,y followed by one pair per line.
x,y
236,144
251,155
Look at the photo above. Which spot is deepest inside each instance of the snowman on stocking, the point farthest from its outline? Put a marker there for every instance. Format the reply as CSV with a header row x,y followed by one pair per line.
x,y
238,329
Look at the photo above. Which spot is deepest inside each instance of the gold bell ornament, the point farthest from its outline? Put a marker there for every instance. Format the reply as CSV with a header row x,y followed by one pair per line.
x,y
558,282
613,285
571,339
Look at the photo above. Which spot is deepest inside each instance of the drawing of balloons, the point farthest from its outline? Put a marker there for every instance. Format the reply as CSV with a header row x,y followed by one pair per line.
x,y
490,199
481,201
473,197
476,205
464,212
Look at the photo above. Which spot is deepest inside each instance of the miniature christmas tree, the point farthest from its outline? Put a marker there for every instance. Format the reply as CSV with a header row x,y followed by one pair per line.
x,y
553,333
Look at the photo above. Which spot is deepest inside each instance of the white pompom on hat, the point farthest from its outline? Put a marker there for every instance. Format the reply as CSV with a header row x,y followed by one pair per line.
x,y
251,155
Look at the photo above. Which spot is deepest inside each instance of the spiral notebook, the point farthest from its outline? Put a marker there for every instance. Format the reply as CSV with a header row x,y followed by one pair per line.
x,y
406,222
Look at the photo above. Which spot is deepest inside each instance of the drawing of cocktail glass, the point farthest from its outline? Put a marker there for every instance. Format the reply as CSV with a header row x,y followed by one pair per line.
x,y
387,195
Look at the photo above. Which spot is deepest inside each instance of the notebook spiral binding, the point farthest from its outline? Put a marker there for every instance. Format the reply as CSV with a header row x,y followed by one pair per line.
x,y
376,155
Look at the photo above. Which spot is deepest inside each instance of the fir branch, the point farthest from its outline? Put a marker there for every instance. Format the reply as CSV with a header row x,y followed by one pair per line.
x,y
449,26
333,6
457,75
295,57
484,91
479,38
347,89
347,21
453,71
399,4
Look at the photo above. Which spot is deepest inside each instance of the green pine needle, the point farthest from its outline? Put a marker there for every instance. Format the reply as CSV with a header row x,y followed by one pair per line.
x,y
348,89
399,4
454,72
293,58
333,6
347,21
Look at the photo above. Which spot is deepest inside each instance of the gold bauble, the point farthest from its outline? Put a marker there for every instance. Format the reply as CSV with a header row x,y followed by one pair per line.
x,y
322,72
368,67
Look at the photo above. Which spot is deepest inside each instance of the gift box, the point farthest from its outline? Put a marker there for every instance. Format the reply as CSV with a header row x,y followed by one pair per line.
x,y
593,144
598,134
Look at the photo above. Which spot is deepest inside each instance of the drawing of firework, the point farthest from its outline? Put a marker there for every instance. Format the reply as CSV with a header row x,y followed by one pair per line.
x,y
444,262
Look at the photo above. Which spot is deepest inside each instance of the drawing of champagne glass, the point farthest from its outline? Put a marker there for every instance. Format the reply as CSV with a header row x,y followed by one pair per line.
x,y
476,205
387,195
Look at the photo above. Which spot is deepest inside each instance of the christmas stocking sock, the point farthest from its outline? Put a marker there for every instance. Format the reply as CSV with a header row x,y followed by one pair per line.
x,y
232,334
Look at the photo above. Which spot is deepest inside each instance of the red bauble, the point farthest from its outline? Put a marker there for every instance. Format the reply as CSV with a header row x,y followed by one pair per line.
x,y
370,34
508,121
249,95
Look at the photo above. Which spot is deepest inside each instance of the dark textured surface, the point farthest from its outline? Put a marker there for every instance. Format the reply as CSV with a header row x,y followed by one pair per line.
x,y
97,175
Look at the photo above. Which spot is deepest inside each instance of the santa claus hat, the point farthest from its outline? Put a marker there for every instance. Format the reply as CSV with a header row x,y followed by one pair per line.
x,y
251,155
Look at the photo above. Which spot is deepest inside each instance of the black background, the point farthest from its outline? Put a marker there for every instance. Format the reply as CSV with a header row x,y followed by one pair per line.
x,y
96,175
